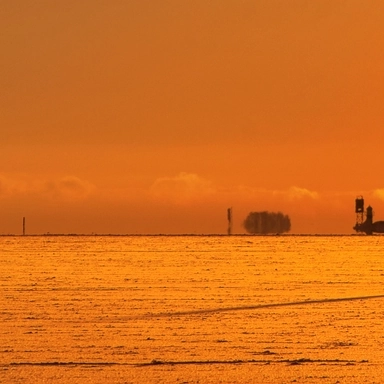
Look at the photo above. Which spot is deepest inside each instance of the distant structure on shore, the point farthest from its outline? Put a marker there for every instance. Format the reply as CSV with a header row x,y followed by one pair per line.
x,y
364,219
267,222
229,216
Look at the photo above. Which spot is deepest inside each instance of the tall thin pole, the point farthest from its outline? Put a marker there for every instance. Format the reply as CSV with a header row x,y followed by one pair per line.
x,y
229,216
23,226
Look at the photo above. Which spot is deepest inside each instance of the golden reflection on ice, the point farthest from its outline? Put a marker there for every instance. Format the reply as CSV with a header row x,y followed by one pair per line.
x,y
208,309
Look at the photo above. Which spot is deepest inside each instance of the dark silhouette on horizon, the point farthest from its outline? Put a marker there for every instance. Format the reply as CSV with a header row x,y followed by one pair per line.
x,y
267,222
368,226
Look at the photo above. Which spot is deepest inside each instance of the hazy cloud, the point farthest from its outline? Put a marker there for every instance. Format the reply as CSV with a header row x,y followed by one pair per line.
x,y
379,193
183,188
68,188
297,193
292,193
10,186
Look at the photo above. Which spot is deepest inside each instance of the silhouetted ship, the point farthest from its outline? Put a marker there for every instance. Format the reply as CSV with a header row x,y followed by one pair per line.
x,y
367,226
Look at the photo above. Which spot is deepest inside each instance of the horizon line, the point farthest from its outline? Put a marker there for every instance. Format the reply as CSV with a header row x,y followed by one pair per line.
x,y
47,234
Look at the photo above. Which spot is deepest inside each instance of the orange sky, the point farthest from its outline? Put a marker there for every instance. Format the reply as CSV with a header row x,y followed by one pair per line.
x,y
148,116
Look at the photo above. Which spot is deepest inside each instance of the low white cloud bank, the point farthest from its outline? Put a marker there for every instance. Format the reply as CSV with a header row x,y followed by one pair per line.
x,y
292,193
66,188
296,193
189,187
183,188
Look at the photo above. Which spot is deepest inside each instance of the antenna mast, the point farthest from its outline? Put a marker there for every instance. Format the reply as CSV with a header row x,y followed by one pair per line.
x,y
229,216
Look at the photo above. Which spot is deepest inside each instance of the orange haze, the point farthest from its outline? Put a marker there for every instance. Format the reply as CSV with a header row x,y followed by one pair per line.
x,y
156,116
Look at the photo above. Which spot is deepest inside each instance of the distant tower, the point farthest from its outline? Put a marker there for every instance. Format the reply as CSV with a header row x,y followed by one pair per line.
x,y
369,221
23,226
229,216
359,209
369,215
